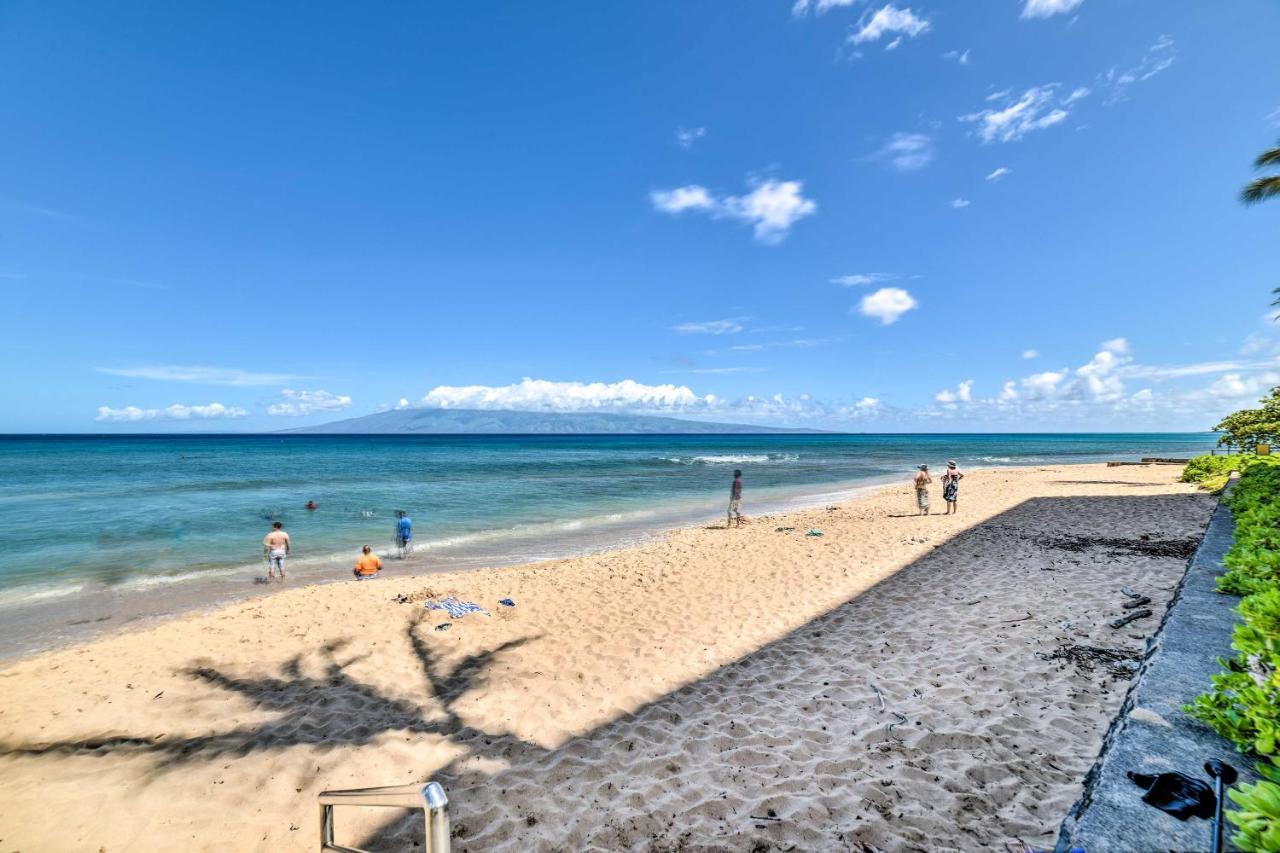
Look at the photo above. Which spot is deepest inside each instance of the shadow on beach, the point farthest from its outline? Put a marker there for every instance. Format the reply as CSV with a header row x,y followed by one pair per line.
x,y
924,708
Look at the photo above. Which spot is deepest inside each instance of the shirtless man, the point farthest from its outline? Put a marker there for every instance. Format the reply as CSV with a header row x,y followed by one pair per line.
x,y
275,546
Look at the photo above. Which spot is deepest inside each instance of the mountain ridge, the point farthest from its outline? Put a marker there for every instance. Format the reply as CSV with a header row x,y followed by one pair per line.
x,y
511,422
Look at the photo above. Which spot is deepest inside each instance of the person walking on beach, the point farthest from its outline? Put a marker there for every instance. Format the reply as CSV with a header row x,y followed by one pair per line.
x,y
951,486
404,534
922,489
275,547
368,565
735,500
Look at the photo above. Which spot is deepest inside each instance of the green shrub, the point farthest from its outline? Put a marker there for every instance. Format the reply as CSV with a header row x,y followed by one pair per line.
x,y
1244,704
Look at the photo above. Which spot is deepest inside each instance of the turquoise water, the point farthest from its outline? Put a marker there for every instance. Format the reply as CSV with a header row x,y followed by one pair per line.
x,y
86,515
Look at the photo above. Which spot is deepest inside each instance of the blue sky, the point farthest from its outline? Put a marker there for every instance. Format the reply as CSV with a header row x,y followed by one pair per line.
x,y
1014,214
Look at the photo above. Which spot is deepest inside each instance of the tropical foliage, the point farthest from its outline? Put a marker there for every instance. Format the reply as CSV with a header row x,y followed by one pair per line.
x,y
1244,704
1248,428
1266,186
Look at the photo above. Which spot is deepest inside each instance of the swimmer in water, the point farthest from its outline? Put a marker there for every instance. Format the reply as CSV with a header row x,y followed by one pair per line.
x,y
312,505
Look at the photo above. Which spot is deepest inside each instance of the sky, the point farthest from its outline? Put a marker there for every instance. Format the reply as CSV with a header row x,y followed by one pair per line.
x,y
925,216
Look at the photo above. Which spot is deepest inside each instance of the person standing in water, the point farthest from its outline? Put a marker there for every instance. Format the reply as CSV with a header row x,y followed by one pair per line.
x,y
951,486
922,489
404,533
275,547
735,500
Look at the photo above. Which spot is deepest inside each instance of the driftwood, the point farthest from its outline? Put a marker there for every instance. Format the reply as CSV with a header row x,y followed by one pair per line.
x,y
1136,602
1132,617
1129,592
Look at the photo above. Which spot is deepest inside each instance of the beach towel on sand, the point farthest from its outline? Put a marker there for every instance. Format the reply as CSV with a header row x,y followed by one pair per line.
x,y
455,608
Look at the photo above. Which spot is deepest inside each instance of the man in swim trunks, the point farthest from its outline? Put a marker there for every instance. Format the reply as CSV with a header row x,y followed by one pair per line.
x,y
735,500
404,533
368,566
276,546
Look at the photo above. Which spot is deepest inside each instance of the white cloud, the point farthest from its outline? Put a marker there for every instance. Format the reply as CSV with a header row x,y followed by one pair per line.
x,y
907,151
176,412
887,304
962,394
1119,346
728,326
687,136
771,207
1234,385
1036,109
1273,117
691,197
867,403
962,58
1029,353
999,173
863,278
298,403
1157,58
958,203
893,45
1048,8
1009,393
1041,385
889,19
801,7
546,395
200,375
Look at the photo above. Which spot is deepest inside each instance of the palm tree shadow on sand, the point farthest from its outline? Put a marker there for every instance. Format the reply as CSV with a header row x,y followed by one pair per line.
x,y
329,711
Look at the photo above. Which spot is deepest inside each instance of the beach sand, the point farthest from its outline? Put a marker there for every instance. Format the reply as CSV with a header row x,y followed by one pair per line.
x,y
883,686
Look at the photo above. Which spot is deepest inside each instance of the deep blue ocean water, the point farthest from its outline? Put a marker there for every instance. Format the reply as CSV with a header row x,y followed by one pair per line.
x,y
80,515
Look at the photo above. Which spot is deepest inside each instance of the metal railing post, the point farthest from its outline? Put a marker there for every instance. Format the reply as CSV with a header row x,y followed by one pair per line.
x,y
430,798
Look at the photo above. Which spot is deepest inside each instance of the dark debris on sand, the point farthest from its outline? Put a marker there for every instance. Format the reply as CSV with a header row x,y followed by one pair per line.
x,y
1118,663
1143,546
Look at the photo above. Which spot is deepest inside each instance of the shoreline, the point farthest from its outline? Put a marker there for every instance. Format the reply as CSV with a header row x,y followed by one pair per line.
x,y
892,683
86,614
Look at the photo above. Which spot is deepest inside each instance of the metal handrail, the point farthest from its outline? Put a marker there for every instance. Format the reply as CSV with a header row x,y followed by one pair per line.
x,y
430,798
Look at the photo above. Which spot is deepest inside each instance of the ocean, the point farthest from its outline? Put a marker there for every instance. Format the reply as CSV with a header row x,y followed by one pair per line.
x,y
97,529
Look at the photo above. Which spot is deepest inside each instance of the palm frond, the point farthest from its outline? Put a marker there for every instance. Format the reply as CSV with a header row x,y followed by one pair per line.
x,y
1261,189
1268,158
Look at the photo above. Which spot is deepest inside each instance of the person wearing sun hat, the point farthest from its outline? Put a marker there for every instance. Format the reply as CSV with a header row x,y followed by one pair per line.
x,y
951,485
922,482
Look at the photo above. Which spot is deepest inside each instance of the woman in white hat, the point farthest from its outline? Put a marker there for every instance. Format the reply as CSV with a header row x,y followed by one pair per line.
x,y
951,485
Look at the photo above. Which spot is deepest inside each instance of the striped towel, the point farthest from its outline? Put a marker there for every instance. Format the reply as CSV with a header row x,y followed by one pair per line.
x,y
455,608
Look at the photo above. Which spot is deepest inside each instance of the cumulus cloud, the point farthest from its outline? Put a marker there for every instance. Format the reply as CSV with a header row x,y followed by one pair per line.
x,y
999,173
963,393
1157,58
299,403
888,20
200,375
906,151
771,208
549,396
887,304
728,326
959,203
1048,8
1037,108
680,199
176,412
687,136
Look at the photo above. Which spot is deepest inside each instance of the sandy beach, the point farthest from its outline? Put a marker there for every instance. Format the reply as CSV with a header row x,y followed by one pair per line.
x,y
889,685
